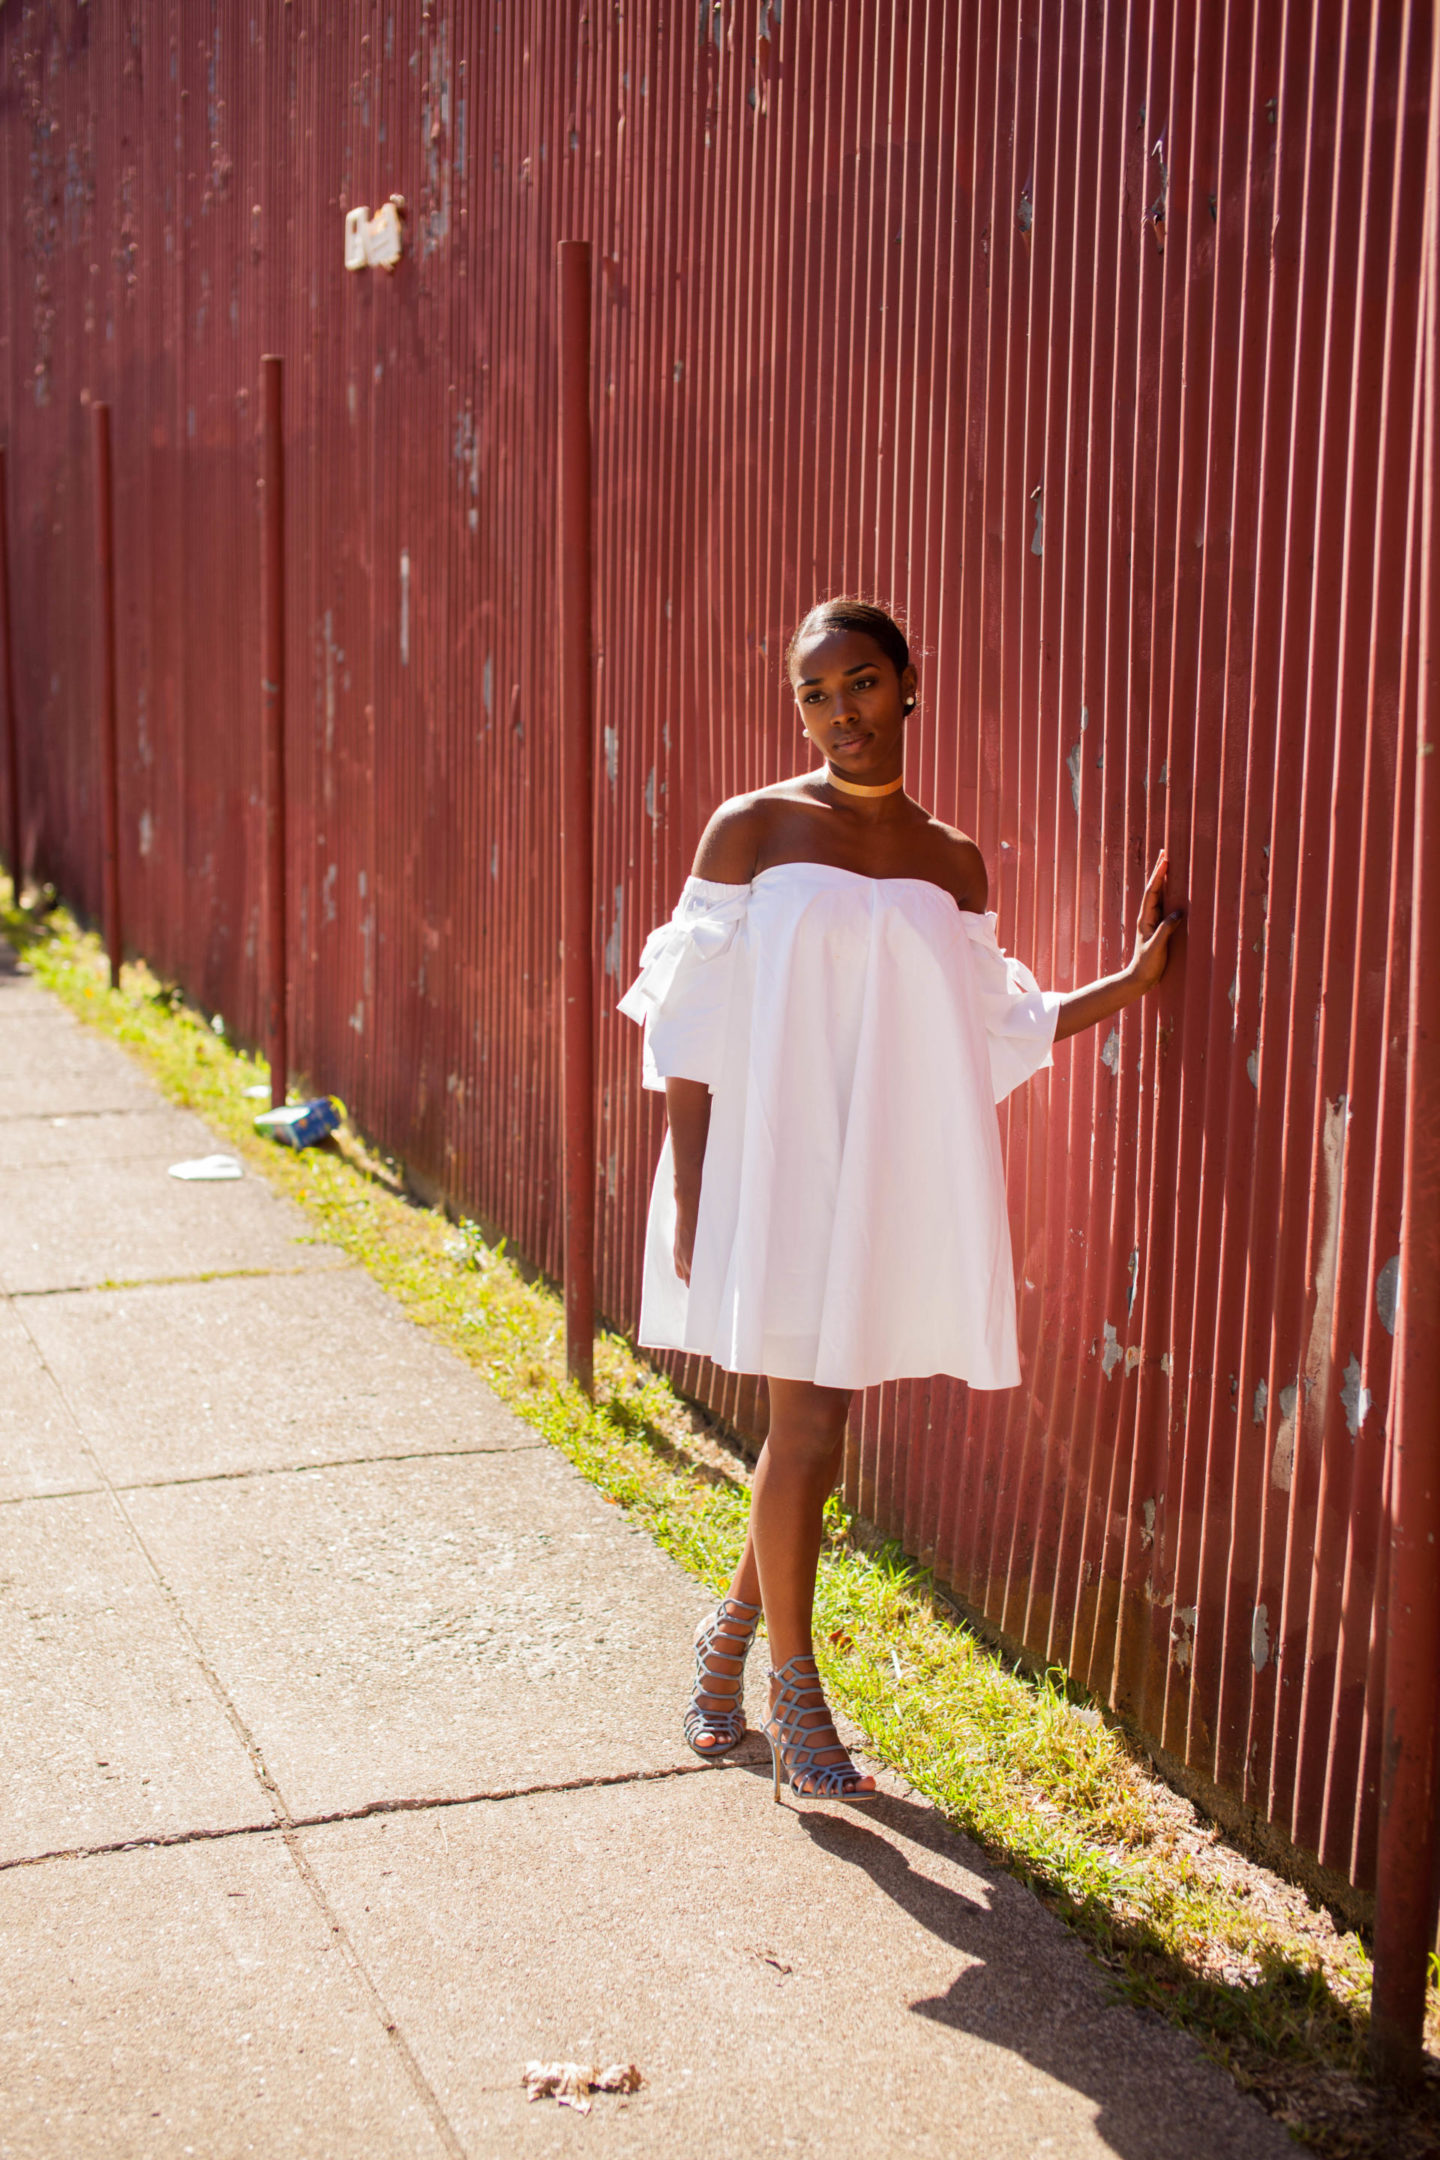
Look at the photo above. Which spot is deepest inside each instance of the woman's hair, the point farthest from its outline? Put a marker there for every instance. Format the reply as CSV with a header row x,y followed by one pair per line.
x,y
847,613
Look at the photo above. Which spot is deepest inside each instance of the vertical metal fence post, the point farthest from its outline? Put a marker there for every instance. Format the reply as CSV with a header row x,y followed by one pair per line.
x,y
1410,1731
577,760
109,755
13,827
272,711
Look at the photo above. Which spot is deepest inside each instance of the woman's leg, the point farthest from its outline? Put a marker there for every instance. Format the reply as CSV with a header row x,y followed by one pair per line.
x,y
794,1477
796,1474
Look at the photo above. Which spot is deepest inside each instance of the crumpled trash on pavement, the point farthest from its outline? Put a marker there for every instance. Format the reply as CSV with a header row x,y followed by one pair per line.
x,y
207,1170
572,2083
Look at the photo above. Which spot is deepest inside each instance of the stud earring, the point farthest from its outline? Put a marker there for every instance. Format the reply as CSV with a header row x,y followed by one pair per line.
x,y
909,704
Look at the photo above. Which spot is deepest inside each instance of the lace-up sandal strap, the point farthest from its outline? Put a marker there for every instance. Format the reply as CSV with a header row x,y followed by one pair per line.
x,y
721,1647
727,1634
801,1696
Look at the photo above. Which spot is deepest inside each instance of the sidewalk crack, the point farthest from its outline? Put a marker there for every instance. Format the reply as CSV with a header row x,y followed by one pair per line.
x,y
266,1470
166,1282
417,1804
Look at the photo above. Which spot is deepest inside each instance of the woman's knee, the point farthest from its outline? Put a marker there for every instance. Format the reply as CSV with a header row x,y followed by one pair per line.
x,y
807,1423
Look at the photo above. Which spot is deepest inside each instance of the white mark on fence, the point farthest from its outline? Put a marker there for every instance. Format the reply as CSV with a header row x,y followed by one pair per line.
x,y
612,943
1316,1368
1282,1458
1355,1398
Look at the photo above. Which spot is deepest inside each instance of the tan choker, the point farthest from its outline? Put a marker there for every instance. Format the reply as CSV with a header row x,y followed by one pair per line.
x,y
853,787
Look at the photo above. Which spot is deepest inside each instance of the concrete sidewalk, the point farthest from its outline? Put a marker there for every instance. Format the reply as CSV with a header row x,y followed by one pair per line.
x,y
271,1559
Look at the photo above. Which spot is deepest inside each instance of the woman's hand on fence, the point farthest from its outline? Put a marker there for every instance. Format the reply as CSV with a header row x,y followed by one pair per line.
x,y
1154,930
1097,1001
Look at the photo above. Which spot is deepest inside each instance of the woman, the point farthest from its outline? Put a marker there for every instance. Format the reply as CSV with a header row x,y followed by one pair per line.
x,y
833,1022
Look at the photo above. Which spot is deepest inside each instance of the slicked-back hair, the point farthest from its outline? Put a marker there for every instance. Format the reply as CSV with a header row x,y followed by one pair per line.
x,y
845,612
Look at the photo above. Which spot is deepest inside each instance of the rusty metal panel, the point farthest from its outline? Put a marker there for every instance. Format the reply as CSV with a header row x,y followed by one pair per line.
x,y
1086,333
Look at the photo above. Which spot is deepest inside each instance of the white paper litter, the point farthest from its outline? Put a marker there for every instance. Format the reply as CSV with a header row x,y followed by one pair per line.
x,y
207,1169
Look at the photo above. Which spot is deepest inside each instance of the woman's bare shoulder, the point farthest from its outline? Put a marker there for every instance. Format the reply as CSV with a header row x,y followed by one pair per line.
x,y
964,875
730,844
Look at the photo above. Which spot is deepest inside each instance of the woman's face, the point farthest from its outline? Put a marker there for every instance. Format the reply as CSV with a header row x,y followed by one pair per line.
x,y
852,702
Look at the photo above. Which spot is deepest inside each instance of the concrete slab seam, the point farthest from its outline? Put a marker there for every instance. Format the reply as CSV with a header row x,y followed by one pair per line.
x,y
171,1282
62,1162
389,2025
73,1117
269,1470
418,1804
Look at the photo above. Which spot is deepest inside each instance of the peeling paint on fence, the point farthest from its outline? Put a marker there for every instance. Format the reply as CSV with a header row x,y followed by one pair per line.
x,y
1387,1293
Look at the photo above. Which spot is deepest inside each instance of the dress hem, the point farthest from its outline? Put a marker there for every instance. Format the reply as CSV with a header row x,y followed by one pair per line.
x,y
981,1387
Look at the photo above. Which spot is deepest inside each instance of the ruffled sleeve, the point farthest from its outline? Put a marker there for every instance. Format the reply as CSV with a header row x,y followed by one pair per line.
x,y
681,995
1019,1016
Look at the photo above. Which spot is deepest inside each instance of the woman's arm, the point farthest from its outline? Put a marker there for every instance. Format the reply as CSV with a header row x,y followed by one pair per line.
x,y
1082,1008
687,1106
726,855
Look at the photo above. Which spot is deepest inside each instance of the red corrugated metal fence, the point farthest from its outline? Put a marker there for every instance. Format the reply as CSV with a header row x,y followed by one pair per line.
x,y
1087,333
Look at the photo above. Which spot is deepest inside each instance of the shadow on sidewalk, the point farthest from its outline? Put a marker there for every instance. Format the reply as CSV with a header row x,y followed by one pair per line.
x,y
1024,1993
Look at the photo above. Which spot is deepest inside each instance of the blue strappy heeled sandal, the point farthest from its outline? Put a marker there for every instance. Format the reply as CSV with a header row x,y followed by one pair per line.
x,y
722,1644
789,1734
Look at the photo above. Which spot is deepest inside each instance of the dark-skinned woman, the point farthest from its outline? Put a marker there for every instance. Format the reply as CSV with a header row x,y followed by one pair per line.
x,y
833,1021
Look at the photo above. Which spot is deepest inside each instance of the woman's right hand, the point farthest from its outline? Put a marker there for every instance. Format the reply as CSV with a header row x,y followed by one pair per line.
x,y
688,1105
685,1218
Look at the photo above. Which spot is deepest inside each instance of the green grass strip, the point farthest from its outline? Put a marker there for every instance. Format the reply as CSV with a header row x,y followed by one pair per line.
x,y
1263,1978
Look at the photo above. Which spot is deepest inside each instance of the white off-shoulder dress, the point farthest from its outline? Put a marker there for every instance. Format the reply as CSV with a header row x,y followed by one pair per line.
x,y
856,1034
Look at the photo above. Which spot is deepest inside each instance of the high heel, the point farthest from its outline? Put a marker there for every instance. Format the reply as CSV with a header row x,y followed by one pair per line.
x,y
801,1698
727,1635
